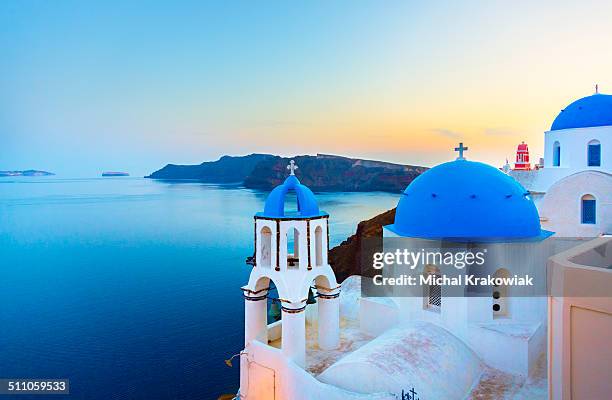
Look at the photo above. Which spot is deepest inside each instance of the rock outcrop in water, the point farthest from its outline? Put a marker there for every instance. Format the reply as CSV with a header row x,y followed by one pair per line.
x,y
347,258
29,172
321,172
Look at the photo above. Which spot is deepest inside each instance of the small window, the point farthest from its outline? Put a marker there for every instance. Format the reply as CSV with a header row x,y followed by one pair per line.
x,y
293,248
589,208
432,294
435,296
594,154
556,154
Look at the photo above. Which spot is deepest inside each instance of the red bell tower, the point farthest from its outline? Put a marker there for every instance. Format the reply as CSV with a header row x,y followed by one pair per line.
x,y
522,158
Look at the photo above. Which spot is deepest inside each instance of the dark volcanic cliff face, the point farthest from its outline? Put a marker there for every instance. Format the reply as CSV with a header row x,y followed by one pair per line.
x,y
227,169
346,258
323,173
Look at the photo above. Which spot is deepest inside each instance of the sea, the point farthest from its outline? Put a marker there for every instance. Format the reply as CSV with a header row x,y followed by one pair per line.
x,y
130,287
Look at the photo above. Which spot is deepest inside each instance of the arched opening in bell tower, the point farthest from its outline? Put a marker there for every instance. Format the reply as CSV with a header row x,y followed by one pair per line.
x,y
293,248
265,249
263,313
318,246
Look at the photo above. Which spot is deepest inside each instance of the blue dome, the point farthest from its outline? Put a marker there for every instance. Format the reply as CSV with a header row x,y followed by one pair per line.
x,y
595,110
466,201
307,206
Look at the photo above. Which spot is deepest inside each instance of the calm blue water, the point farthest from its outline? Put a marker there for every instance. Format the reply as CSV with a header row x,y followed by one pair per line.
x,y
130,287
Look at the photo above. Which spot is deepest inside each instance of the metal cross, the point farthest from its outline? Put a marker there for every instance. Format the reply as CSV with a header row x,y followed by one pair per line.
x,y
461,149
292,167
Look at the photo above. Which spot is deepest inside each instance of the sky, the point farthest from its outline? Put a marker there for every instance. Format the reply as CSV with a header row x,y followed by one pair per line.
x,y
87,87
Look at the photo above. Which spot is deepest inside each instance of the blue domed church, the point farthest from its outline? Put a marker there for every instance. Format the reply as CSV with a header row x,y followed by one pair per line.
x,y
477,242
571,186
465,207
429,341
465,200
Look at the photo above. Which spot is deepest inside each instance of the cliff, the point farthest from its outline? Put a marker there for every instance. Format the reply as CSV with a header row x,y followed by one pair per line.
x,y
227,169
346,258
320,173
335,174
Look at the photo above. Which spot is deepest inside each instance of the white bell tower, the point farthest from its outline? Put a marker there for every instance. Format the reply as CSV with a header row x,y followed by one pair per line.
x,y
291,249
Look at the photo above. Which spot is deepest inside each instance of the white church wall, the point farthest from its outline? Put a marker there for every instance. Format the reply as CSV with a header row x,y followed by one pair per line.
x,y
490,334
537,345
452,313
561,207
377,315
540,180
455,313
520,310
528,309
574,147
350,297
480,309
493,343
574,144
289,381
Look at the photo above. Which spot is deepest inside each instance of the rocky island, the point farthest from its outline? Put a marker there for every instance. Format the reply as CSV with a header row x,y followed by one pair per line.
x,y
28,172
323,173
114,173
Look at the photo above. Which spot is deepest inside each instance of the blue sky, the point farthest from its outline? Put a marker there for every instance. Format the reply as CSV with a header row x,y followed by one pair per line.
x,y
93,86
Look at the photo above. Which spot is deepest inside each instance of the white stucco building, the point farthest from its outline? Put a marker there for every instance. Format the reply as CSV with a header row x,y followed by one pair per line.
x,y
437,342
572,191
429,346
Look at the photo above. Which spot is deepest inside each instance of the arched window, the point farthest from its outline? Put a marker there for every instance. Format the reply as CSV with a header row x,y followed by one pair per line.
x,y
556,154
432,296
293,248
594,154
265,249
589,209
500,295
318,246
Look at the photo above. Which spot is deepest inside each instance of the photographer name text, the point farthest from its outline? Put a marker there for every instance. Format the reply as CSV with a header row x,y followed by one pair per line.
x,y
461,280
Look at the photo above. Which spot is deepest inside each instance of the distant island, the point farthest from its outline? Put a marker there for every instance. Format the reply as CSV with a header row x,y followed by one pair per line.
x,y
28,172
323,173
114,173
